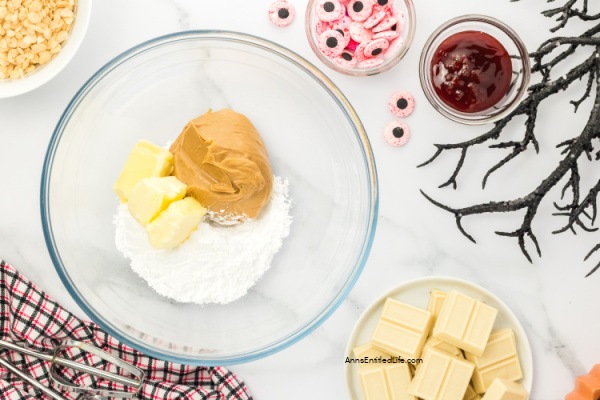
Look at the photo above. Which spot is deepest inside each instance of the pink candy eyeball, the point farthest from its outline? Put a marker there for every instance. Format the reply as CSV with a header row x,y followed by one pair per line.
x,y
360,10
395,46
370,63
342,23
281,13
376,47
346,59
396,133
332,43
359,53
401,104
375,18
358,33
329,10
388,3
386,24
322,26
387,35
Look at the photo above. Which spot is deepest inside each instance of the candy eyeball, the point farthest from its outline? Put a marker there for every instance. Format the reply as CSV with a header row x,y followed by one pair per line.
x,y
401,104
281,13
346,59
332,43
329,10
376,47
360,10
396,133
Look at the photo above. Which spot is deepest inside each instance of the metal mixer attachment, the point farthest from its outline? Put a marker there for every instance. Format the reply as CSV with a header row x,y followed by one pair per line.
x,y
131,384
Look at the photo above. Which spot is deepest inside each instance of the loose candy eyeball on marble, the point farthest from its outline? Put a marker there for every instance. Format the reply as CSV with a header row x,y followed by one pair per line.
x,y
281,13
401,104
329,10
396,133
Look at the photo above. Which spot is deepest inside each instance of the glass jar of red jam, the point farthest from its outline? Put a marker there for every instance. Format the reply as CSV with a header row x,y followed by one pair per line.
x,y
474,69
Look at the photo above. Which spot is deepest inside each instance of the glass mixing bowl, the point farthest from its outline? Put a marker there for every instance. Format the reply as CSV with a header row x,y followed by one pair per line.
x,y
314,139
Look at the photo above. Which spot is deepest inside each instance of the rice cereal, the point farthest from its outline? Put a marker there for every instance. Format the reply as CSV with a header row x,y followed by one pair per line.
x,y
32,32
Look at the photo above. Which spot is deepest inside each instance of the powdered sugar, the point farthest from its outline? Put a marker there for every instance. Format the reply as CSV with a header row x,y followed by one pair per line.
x,y
217,264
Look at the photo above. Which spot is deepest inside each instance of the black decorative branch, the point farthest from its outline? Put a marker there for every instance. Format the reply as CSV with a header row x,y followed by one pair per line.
x,y
581,211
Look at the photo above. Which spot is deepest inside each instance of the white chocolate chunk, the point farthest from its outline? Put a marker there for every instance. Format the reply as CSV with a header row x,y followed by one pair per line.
x,y
402,329
441,377
465,322
502,389
499,360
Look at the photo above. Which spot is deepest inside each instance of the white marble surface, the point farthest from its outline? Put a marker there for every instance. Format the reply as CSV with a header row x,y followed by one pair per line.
x,y
558,308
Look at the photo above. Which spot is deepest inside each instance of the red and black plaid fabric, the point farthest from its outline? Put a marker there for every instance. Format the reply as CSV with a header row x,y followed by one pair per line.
x,y
29,317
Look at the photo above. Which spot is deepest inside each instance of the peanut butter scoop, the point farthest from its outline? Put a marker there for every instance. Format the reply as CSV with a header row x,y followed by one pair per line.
x,y
223,160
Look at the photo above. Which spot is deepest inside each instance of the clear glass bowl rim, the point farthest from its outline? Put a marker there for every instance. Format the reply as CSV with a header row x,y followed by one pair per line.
x,y
285,54
412,27
424,70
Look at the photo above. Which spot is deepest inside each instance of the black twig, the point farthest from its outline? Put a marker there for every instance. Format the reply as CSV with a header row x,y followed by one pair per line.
x,y
581,213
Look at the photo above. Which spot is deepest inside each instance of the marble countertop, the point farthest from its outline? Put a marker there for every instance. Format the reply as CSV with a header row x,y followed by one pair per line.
x,y
557,306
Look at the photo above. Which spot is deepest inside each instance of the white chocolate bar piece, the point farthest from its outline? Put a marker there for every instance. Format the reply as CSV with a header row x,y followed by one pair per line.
x,y
465,322
373,383
440,345
402,329
441,377
371,352
398,377
386,382
436,300
499,360
502,389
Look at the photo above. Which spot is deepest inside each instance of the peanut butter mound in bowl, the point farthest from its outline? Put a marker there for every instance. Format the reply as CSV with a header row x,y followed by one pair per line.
x,y
223,160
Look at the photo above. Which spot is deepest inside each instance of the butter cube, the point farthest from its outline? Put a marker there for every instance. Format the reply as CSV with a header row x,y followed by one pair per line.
x,y
441,377
465,323
385,382
145,161
502,389
175,224
402,329
499,360
150,196
436,301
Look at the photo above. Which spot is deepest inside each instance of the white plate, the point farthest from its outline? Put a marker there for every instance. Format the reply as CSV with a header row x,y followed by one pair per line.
x,y
416,293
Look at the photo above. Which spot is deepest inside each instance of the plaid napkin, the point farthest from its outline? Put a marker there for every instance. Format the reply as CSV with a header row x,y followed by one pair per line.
x,y
29,317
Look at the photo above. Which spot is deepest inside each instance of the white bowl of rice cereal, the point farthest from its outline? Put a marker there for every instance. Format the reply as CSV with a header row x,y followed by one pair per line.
x,y
38,38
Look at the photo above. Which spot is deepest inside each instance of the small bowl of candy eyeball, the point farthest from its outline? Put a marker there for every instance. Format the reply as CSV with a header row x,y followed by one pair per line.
x,y
360,37
38,39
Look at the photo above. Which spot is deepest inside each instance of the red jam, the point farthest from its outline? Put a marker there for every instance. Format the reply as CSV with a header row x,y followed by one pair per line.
x,y
471,71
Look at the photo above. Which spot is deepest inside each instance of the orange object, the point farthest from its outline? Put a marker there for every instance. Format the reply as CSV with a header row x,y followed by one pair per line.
x,y
587,387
